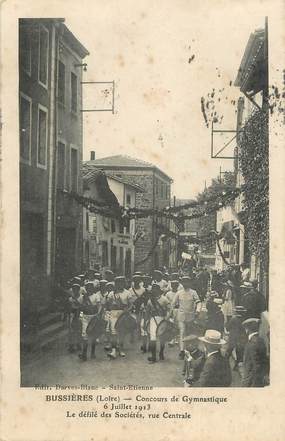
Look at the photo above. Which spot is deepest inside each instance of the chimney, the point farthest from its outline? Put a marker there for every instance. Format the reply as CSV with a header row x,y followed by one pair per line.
x,y
92,155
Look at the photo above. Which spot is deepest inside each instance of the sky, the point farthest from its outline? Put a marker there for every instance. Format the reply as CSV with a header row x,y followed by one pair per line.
x,y
145,50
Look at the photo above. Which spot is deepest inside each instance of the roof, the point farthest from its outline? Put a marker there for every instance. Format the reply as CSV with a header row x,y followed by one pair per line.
x,y
252,73
66,34
137,187
105,195
73,42
124,162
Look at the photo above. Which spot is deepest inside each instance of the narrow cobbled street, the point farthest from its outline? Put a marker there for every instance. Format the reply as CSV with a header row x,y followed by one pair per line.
x,y
57,366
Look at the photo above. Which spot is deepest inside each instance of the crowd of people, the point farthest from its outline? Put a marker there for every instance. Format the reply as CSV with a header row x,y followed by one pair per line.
x,y
213,318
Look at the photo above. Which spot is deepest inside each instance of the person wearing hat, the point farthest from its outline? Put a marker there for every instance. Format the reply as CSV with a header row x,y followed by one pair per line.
x,y
166,276
174,288
118,301
202,282
236,335
228,304
83,278
140,307
215,316
147,282
159,280
93,276
157,310
137,288
109,287
253,301
194,360
76,279
174,278
80,280
216,371
109,275
245,272
102,291
255,361
74,335
91,304
186,300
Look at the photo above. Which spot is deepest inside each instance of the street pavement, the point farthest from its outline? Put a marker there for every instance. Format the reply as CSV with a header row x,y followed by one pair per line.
x,y
57,366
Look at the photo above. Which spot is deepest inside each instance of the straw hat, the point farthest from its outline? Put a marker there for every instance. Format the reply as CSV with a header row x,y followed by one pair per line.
x,y
103,282
213,337
251,323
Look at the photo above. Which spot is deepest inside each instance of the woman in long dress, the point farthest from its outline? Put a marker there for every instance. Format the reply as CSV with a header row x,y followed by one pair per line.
x,y
228,304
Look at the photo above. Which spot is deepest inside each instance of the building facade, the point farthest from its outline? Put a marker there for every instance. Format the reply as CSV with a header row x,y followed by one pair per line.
x,y
252,112
50,123
152,248
109,241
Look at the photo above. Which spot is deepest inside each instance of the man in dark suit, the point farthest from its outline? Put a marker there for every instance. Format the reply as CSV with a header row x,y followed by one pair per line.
x,y
237,338
255,361
216,371
194,360
253,301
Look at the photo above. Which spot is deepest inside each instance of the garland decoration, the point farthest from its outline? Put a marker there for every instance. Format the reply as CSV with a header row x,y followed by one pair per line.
x,y
200,208
254,162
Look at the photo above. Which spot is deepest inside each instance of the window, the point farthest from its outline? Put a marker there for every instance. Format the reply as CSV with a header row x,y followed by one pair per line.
x,y
61,82
42,136
73,92
25,128
168,191
156,187
74,169
161,190
127,224
43,55
128,199
105,253
25,49
61,166
121,260
87,251
94,225
113,226
87,221
121,227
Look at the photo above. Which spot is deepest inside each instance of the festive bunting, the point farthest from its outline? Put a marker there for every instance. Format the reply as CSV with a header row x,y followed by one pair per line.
x,y
203,207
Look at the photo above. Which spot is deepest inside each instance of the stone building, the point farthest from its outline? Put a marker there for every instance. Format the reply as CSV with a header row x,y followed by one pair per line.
x,y
50,124
109,242
152,249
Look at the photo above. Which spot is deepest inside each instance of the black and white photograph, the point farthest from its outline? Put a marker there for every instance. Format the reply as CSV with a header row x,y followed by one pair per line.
x,y
144,200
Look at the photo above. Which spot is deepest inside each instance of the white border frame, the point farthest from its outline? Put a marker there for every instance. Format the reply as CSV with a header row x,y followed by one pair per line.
x,y
27,98
43,109
41,26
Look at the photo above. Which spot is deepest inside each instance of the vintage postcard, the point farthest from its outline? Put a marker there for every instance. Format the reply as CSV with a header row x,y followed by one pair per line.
x,y
142,231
